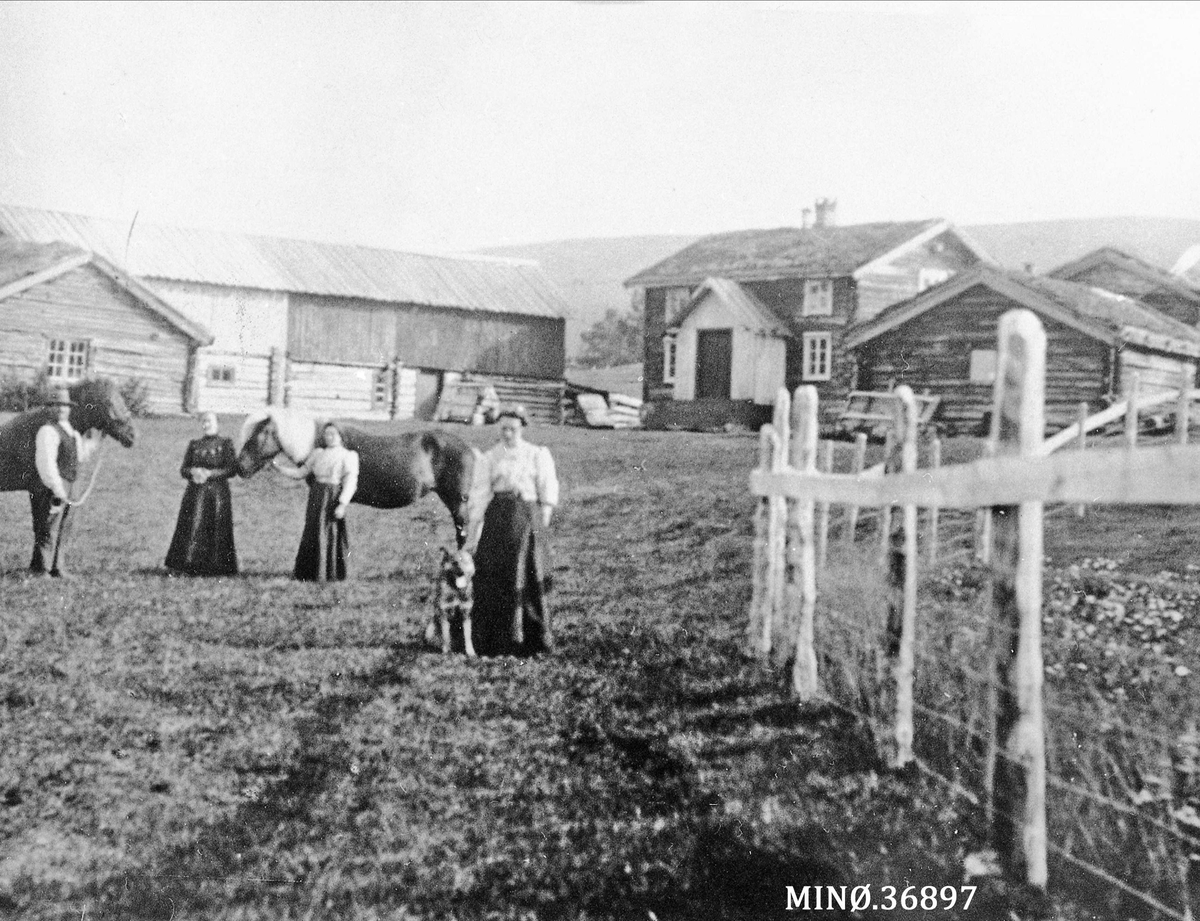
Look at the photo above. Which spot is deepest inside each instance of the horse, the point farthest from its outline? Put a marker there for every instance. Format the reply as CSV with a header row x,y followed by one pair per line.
x,y
98,410
394,470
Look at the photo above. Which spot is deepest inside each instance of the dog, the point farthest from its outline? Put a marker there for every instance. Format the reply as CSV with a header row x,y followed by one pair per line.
x,y
455,599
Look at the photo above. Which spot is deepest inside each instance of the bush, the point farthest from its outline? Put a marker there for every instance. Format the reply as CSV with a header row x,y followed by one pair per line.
x,y
136,394
19,394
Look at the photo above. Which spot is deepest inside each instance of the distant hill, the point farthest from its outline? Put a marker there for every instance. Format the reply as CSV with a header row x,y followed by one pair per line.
x,y
590,272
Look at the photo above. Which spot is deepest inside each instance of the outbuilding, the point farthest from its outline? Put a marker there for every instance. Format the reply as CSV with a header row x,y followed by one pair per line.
x,y
944,341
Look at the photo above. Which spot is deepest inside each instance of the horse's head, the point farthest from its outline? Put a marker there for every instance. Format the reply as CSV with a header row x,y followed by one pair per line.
x,y
99,406
259,443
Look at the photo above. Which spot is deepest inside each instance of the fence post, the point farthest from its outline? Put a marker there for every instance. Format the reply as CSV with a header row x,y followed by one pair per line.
x,y
1131,409
860,461
759,634
1081,509
935,461
902,593
1183,409
1018,421
885,511
802,562
823,515
776,629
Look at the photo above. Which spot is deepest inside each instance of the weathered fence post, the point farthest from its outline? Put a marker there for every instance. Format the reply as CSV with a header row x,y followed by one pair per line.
x,y
1183,408
759,634
1081,509
885,511
1131,409
902,594
935,461
776,631
1019,813
802,561
823,515
860,461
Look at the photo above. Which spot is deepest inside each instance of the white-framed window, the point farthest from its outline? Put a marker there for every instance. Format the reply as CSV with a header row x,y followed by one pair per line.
x,y
221,374
983,366
68,359
818,297
669,349
816,357
927,278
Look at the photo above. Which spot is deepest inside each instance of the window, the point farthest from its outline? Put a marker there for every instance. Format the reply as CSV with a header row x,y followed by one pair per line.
x,y
816,356
221,374
927,278
669,358
818,298
983,366
68,359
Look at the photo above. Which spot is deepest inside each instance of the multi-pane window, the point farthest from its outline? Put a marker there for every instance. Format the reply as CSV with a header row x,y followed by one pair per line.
x,y
68,359
816,356
669,344
221,374
818,297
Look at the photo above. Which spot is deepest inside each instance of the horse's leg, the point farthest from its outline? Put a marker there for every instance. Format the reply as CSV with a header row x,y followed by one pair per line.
x,y
43,543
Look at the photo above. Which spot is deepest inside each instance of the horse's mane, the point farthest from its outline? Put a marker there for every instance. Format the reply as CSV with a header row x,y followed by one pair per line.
x,y
295,429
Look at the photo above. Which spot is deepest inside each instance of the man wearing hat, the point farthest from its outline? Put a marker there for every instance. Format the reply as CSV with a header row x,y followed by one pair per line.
x,y
58,451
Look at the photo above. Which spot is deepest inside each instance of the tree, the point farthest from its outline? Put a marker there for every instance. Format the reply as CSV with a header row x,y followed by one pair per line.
x,y
614,340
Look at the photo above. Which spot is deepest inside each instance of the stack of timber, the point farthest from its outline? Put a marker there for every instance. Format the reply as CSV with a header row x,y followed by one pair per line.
x,y
594,409
543,400
624,412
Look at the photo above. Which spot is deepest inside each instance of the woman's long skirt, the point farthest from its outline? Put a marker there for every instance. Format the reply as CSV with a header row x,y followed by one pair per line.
x,y
512,612
326,543
203,540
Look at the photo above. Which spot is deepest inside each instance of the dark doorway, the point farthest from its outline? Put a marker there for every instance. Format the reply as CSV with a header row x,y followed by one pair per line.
x,y
429,388
714,363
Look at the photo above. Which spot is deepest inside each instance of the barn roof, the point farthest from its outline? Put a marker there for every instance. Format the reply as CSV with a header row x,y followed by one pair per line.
x,y
479,283
737,301
1138,277
24,264
1111,318
750,255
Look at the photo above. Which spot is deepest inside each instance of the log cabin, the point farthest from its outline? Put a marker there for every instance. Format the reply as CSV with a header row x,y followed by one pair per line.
x,y
944,341
1113,270
735,316
349,331
68,314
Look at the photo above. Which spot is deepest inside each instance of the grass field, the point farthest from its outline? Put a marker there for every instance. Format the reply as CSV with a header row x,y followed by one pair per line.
x,y
257,748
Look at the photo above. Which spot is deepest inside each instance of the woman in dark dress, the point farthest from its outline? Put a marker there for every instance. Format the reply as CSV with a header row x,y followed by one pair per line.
x,y
203,541
515,493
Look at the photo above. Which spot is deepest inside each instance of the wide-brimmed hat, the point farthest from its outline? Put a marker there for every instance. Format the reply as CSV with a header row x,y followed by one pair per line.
x,y
60,397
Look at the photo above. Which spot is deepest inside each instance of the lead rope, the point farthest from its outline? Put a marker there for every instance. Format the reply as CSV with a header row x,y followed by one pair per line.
x,y
91,482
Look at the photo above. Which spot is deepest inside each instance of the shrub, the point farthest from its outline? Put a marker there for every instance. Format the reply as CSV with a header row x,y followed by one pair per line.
x,y
136,394
19,394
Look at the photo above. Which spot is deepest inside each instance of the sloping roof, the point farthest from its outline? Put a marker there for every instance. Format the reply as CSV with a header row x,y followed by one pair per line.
x,y
748,255
479,283
736,299
1142,277
24,265
1111,318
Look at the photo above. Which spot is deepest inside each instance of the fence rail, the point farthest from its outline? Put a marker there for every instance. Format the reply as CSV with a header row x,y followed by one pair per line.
x,y
1010,486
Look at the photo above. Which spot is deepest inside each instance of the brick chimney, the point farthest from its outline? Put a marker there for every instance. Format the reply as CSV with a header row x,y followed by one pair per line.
x,y
826,212
806,218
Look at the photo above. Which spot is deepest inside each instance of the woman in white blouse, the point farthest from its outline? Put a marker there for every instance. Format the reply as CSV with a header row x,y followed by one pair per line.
x,y
334,478
515,491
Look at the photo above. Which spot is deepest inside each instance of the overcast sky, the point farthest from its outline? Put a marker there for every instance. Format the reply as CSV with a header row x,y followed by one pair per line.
x,y
449,126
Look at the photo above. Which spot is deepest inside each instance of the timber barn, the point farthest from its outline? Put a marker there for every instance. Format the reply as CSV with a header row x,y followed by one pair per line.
x,y
1116,271
68,313
342,330
944,341
733,317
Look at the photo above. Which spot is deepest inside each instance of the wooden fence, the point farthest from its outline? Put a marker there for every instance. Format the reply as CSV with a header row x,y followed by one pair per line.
x,y
1010,485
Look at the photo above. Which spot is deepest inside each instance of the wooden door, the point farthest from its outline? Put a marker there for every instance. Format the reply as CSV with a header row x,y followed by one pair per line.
x,y
714,363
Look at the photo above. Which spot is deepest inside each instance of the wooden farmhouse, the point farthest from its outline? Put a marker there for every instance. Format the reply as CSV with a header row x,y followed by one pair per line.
x,y
735,316
944,341
351,331
1115,271
66,312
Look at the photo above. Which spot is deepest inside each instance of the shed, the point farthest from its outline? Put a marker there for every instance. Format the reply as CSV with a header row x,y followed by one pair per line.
x,y
69,313
944,341
1113,270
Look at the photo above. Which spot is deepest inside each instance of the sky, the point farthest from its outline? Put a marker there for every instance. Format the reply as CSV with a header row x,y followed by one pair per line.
x,y
452,126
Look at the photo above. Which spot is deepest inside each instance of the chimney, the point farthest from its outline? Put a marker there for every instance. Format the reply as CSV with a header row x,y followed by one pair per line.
x,y
826,212
806,218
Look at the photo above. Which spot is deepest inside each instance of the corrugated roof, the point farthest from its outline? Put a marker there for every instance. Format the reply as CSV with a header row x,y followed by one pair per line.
x,y
486,284
745,255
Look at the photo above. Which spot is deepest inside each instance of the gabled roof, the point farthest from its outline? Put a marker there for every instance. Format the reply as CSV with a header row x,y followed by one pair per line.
x,y
486,284
737,301
1111,318
1142,277
24,265
753,255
